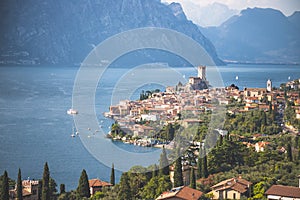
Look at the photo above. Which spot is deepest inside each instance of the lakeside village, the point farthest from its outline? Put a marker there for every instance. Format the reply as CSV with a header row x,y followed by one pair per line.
x,y
256,156
183,104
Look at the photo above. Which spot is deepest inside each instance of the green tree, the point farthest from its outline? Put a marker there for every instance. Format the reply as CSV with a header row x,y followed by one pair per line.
x,y
149,191
137,179
298,145
164,184
62,188
4,187
204,164
124,188
154,171
178,178
45,183
170,132
63,196
193,179
112,175
19,186
289,153
163,163
52,189
156,186
259,190
97,195
199,164
83,188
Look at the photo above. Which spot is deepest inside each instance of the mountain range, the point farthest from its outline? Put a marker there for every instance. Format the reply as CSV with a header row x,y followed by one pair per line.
x,y
257,35
64,31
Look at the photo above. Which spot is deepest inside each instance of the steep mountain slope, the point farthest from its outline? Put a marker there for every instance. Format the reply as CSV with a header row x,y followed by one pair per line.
x,y
295,19
65,31
257,35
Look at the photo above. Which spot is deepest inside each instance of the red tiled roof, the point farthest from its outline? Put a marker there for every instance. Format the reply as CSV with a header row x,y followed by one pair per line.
x,y
189,193
184,193
238,184
284,191
98,183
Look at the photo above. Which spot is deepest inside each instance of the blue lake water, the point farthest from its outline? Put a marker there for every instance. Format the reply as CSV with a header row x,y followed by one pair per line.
x,y
34,126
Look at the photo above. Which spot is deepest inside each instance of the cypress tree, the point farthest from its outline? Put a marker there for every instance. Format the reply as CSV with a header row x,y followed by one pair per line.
x,y
4,187
112,175
220,142
52,188
124,189
178,179
298,149
40,185
19,186
204,164
83,188
264,118
62,188
45,183
289,153
199,164
163,163
154,172
193,179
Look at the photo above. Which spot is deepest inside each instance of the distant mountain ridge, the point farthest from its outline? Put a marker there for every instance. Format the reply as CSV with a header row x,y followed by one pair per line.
x,y
64,32
258,35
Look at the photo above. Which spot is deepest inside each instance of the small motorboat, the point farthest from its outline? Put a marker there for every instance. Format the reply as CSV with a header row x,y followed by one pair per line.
x,y
72,112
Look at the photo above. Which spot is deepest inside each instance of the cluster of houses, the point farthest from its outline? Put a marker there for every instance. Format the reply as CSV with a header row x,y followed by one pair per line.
x,y
195,97
233,188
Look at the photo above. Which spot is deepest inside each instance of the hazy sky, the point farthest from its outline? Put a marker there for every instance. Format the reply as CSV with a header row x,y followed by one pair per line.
x,y
200,11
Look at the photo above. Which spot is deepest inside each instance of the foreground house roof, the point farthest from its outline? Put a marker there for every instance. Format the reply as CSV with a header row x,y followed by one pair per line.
x,y
98,183
284,191
238,184
184,193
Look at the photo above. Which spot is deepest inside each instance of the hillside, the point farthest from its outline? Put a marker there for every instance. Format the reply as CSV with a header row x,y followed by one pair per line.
x,y
257,35
64,32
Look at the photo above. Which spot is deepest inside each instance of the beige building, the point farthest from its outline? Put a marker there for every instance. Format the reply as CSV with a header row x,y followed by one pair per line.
x,y
255,92
233,188
30,190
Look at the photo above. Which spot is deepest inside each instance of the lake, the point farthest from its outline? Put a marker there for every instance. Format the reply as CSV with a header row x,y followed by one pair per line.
x,y
34,126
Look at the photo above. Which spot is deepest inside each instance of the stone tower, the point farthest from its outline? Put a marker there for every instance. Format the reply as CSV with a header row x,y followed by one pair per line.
x,y
202,72
269,85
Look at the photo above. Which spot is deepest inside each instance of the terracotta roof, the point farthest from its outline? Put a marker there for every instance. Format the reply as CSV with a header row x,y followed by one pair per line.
x,y
98,183
184,193
284,191
189,193
238,184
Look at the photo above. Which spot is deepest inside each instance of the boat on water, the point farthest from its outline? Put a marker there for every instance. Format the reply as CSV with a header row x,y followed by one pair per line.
x,y
72,112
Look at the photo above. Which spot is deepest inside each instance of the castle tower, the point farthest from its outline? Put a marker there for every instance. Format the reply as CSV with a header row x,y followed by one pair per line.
x,y
202,72
269,85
